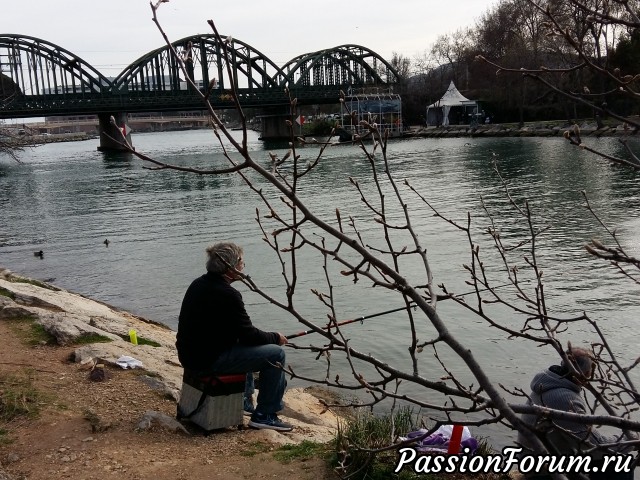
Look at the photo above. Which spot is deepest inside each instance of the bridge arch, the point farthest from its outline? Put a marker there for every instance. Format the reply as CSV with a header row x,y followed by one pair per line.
x,y
35,67
40,78
203,55
345,65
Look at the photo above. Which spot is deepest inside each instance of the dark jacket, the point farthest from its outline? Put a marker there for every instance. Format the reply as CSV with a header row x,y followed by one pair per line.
x,y
554,389
212,320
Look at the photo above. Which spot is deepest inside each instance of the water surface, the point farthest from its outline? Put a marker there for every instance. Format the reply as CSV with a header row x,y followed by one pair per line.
x,y
67,198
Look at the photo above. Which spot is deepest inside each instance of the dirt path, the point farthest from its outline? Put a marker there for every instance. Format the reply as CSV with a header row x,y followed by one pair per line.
x,y
86,430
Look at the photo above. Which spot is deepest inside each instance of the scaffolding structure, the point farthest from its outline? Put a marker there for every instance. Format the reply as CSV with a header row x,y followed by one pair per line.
x,y
382,109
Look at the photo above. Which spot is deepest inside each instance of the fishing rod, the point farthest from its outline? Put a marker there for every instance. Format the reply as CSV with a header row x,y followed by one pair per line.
x,y
393,310
347,322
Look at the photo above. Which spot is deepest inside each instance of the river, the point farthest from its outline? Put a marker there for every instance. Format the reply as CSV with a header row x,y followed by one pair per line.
x,y
67,198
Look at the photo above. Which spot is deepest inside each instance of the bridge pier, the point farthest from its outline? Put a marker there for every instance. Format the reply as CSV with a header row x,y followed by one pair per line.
x,y
274,124
107,129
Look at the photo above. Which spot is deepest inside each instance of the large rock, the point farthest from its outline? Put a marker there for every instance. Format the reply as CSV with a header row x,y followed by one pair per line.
x,y
13,311
70,328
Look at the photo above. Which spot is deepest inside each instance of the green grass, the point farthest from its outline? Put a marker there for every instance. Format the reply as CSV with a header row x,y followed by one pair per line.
x,y
367,431
146,341
36,283
37,335
303,451
4,436
7,293
288,453
254,449
88,338
30,332
318,127
142,341
18,398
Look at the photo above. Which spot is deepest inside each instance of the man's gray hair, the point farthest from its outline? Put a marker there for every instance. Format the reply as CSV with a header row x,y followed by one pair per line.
x,y
222,256
582,360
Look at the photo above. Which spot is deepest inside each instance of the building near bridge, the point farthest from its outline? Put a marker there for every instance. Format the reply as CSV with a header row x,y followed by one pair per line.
x,y
453,108
382,109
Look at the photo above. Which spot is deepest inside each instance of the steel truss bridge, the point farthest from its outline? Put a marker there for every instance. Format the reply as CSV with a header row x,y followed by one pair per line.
x,y
38,78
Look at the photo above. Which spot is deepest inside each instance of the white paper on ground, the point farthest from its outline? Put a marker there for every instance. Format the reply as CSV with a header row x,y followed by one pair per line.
x,y
128,362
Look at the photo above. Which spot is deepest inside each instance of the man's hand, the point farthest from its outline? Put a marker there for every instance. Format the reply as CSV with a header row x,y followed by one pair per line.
x,y
282,340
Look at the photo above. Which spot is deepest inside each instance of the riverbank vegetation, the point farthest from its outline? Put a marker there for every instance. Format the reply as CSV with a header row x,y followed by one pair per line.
x,y
10,142
18,398
363,432
536,60
567,59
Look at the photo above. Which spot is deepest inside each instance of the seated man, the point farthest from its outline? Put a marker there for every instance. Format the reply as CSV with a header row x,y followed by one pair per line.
x,y
559,388
215,334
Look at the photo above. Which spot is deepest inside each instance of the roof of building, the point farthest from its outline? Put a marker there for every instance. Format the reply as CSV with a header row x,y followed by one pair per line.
x,y
452,98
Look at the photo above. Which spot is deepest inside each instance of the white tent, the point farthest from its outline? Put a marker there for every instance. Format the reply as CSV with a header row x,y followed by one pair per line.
x,y
438,112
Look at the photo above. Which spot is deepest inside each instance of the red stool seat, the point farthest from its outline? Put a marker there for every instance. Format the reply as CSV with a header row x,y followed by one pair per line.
x,y
213,384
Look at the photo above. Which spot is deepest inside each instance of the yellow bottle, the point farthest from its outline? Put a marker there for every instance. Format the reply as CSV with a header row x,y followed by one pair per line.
x,y
133,336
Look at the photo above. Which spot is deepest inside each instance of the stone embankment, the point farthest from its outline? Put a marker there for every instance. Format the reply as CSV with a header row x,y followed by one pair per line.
x,y
41,139
529,130
74,320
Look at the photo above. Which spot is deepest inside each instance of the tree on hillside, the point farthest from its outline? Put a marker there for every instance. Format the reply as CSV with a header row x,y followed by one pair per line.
x,y
410,88
515,34
373,248
450,50
401,64
592,76
10,142
511,34
626,56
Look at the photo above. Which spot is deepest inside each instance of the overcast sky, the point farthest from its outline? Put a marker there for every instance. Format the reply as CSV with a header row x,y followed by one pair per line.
x,y
111,34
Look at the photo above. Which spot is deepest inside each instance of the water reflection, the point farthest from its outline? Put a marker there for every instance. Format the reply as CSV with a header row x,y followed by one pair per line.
x,y
114,159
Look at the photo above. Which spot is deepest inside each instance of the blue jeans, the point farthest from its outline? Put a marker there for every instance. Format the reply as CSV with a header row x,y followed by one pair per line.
x,y
261,358
249,386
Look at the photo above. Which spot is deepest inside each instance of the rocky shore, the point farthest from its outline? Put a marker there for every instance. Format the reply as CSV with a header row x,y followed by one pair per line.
x,y
511,130
40,139
86,332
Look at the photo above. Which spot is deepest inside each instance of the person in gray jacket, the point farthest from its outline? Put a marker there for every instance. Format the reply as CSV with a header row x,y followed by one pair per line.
x,y
559,388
